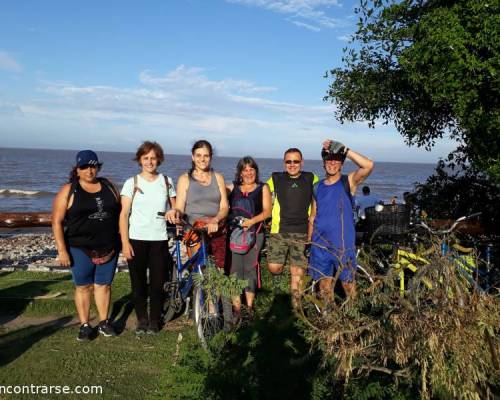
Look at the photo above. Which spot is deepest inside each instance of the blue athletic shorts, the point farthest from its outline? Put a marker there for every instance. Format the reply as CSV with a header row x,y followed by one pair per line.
x,y
324,264
85,273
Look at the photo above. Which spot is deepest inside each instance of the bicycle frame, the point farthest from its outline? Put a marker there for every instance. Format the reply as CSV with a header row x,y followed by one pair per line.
x,y
407,259
192,265
465,263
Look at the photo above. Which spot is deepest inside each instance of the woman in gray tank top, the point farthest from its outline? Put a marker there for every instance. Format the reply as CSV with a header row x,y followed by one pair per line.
x,y
201,195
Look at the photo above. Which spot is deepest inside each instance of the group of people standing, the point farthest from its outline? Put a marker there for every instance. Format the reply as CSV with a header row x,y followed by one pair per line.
x,y
91,222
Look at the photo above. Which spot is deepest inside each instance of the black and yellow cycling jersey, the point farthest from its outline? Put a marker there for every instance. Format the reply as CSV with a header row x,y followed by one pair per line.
x,y
292,201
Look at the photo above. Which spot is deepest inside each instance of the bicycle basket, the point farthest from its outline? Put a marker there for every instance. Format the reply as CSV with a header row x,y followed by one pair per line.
x,y
392,219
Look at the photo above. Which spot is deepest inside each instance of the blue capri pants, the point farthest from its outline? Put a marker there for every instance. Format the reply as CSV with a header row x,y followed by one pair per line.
x,y
86,273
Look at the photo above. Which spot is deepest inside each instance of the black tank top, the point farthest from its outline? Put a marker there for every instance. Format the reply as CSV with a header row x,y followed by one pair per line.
x,y
294,196
92,220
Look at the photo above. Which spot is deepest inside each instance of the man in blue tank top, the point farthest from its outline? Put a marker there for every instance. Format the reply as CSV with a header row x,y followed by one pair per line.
x,y
331,224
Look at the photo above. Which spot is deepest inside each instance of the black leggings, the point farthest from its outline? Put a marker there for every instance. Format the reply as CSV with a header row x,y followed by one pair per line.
x,y
155,256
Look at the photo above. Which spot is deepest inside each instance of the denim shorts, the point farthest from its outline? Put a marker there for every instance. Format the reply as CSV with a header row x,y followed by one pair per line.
x,y
85,273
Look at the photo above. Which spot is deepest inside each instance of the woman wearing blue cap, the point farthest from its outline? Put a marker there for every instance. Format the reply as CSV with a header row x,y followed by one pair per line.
x,y
85,225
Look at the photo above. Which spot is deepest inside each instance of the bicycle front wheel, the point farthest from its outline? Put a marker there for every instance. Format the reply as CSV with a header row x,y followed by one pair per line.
x,y
208,314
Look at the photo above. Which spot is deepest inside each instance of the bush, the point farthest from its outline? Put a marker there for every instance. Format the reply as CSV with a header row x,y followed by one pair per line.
x,y
453,194
439,342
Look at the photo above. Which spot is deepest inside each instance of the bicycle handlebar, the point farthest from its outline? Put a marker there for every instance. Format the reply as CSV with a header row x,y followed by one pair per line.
x,y
184,221
452,228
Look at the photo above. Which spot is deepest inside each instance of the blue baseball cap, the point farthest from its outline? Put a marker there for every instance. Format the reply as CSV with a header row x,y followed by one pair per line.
x,y
86,157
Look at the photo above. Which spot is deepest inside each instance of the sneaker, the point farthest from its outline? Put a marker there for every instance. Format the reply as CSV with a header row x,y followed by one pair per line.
x,y
154,328
141,328
85,333
106,329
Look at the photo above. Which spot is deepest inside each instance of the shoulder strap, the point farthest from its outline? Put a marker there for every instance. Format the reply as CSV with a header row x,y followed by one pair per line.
x,y
135,190
236,190
347,186
109,185
257,191
72,189
167,184
315,190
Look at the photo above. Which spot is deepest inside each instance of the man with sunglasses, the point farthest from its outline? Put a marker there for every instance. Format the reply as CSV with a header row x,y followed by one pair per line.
x,y
293,190
331,224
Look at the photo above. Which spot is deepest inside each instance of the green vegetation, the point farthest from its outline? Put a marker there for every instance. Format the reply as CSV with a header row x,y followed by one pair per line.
x,y
439,340
378,346
429,67
443,196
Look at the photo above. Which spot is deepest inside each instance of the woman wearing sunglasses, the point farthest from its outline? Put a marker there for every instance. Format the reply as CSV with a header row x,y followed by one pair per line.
x,y
144,235
85,225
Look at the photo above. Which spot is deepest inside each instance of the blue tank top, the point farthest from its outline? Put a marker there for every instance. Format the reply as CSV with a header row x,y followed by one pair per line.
x,y
334,221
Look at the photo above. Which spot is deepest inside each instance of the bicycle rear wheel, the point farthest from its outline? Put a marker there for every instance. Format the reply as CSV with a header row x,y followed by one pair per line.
x,y
174,304
312,294
208,314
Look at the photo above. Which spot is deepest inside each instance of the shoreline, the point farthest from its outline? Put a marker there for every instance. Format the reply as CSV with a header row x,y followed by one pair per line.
x,y
33,249
25,231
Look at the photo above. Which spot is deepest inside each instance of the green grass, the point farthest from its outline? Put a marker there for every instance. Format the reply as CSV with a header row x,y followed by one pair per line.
x,y
268,359
19,289
125,366
46,353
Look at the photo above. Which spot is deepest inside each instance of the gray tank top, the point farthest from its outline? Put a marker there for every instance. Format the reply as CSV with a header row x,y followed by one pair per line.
x,y
202,201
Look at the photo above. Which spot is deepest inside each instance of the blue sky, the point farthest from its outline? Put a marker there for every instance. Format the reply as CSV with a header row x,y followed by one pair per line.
x,y
245,74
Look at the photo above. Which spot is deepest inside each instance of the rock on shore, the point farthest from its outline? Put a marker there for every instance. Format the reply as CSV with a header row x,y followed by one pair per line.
x,y
33,252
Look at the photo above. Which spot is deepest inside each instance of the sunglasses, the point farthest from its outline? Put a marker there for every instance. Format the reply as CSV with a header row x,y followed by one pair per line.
x,y
288,162
87,166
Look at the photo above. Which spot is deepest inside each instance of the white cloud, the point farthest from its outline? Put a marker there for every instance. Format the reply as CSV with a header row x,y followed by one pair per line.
x,y
307,26
193,77
10,109
344,38
309,14
181,106
8,63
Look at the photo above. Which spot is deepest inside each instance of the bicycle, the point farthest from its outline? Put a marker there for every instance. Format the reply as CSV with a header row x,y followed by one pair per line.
x,y
462,258
189,281
413,258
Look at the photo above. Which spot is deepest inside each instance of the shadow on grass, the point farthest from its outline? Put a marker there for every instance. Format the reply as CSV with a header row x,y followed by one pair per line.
x,y
268,359
15,299
13,344
122,308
